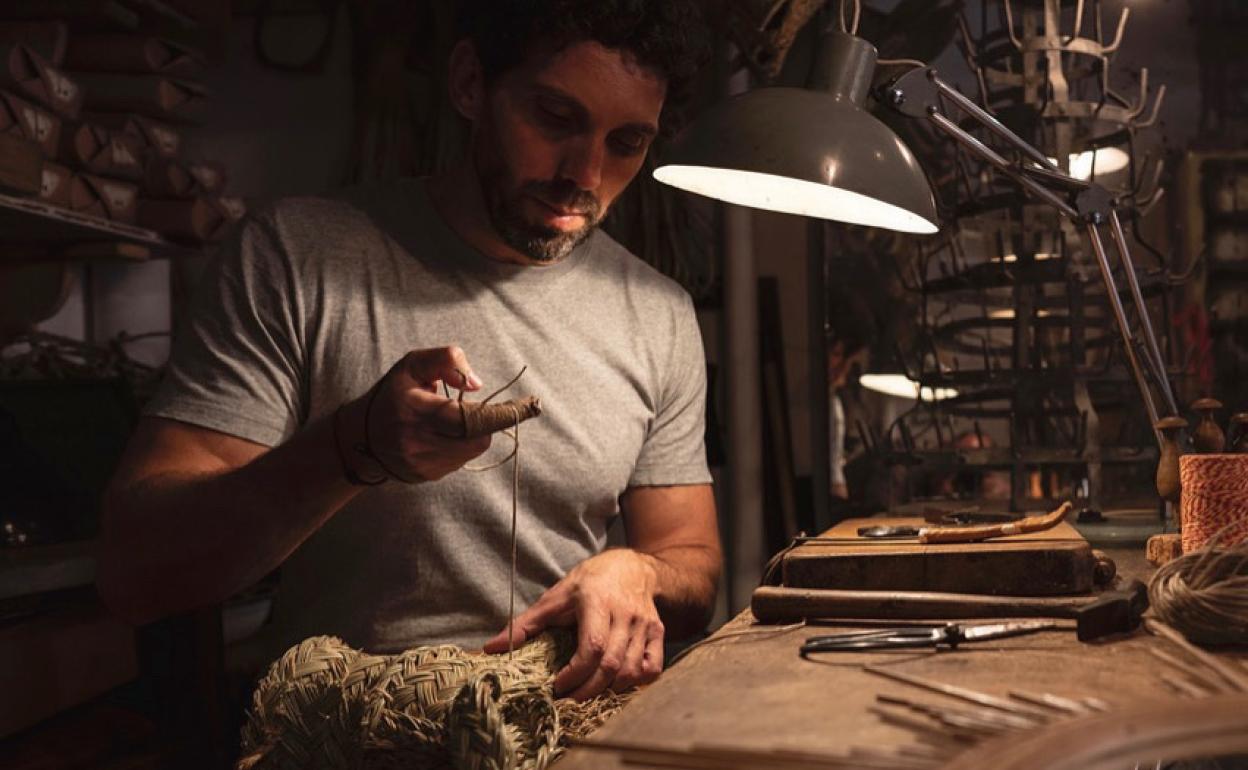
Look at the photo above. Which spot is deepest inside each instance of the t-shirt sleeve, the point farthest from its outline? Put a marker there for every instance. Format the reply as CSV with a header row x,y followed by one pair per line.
x,y
236,365
674,452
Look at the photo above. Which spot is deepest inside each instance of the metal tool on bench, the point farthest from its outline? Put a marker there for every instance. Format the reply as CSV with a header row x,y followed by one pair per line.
x,y
966,517
946,635
1108,613
970,534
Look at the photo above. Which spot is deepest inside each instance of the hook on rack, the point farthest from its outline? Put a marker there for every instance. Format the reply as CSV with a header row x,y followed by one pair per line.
x,y
1122,25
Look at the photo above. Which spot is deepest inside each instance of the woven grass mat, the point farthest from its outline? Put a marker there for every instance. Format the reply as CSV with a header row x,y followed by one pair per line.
x,y
325,705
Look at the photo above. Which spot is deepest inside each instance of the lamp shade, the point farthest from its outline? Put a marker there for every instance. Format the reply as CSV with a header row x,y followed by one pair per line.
x,y
805,151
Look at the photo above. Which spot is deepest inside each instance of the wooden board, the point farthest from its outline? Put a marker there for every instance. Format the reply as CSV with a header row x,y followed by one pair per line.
x,y
1052,563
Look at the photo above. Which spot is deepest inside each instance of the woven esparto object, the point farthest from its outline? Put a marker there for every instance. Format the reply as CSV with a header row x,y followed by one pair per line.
x,y
324,705
1214,498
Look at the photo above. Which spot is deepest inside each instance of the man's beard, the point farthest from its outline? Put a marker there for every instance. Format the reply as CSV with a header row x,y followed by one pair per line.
x,y
504,199
541,243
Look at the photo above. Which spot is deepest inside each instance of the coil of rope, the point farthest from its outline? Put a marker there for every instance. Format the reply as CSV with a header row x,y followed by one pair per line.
x,y
1204,594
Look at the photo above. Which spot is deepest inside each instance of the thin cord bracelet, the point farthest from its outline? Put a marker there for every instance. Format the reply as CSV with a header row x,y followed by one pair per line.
x,y
353,478
366,449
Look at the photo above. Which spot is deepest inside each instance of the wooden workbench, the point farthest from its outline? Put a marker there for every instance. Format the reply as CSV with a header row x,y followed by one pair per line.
x,y
754,692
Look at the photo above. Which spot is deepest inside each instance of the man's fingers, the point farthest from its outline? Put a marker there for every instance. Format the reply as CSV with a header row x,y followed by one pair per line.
x,y
427,403
522,631
433,407
593,633
652,661
630,673
522,628
449,364
426,439
609,665
550,610
433,415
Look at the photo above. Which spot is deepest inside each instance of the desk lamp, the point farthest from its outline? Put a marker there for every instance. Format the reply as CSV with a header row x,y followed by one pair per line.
x,y
817,152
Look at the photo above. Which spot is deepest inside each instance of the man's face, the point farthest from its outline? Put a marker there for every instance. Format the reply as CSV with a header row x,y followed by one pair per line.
x,y
558,139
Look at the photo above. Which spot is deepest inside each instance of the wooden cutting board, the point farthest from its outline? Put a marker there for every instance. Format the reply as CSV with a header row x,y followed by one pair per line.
x,y
1052,563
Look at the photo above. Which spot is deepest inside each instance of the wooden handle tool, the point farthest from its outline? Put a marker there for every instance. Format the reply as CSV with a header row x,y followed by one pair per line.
x,y
1096,615
779,604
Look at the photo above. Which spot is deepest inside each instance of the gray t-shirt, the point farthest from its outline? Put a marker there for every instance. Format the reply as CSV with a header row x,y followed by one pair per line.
x,y
321,296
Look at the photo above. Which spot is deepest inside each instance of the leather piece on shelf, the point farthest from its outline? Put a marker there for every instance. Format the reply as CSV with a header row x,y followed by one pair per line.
x,y
176,178
34,77
160,140
56,183
155,96
168,178
210,175
21,165
102,197
200,219
101,151
18,116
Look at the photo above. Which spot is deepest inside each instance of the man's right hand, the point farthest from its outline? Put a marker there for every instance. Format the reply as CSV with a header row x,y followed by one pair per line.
x,y
410,425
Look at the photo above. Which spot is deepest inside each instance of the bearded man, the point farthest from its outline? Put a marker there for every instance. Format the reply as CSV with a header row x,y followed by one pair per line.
x,y
302,421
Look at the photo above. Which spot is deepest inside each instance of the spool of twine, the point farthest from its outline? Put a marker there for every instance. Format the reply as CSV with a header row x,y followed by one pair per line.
x,y
1214,499
1204,593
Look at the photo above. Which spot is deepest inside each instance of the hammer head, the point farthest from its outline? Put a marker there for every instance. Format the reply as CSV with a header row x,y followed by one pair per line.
x,y
1113,612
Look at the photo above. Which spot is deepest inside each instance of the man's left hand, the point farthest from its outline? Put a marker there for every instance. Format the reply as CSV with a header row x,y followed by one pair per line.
x,y
610,598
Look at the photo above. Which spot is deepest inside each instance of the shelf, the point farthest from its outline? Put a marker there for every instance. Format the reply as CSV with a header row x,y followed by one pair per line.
x,y
52,232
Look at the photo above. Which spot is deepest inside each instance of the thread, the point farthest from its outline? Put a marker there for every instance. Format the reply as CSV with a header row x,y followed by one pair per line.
x,y
518,414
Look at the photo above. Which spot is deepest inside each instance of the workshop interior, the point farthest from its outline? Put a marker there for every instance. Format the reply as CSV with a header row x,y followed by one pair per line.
x,y
970,280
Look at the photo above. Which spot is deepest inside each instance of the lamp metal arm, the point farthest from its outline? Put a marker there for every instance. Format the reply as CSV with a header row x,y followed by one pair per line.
x,y
917,94
995,159
1158,361
1120,316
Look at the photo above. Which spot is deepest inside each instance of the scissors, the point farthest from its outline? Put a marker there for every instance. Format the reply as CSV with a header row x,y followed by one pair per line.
x,y
950,635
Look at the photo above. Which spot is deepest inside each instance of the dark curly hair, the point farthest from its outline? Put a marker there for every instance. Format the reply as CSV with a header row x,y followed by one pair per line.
x,y
665,35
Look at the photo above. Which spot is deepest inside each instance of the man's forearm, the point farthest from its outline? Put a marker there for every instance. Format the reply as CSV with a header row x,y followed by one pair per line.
x,y
178,540
687,577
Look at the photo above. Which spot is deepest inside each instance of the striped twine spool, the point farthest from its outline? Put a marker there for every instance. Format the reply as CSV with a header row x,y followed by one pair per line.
x,y
1214,498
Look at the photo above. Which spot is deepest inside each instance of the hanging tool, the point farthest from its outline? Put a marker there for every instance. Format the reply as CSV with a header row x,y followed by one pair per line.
x,y
970,534
947,635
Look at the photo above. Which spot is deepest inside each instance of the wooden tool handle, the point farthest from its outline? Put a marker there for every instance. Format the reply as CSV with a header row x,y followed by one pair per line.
x,y
973,534
777,604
